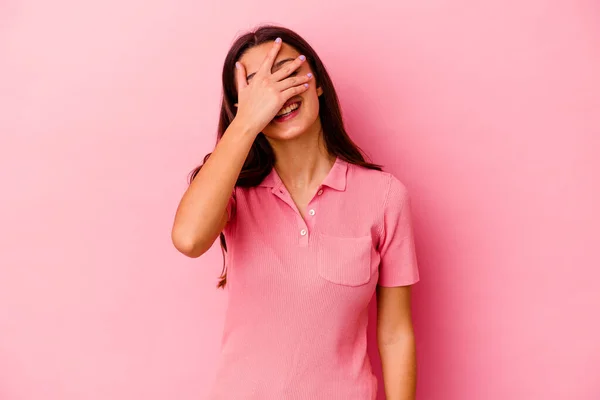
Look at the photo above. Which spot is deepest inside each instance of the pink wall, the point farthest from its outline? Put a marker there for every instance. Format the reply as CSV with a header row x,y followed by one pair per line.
x,y
488,111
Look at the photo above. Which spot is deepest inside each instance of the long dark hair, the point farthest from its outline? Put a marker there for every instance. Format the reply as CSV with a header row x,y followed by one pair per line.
x,y
260,159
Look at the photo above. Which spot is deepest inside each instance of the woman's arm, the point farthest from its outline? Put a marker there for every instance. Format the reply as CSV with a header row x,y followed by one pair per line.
x,y
201,214
396,342
202,211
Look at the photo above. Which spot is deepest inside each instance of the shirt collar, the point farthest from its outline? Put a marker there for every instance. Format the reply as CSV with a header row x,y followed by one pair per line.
x,y
335,179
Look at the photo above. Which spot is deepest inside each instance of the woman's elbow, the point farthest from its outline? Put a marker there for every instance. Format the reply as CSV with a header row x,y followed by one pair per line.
x,y
189,246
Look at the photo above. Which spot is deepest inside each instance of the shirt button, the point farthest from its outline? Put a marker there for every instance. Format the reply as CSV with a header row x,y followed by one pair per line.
x,y
312,212
303,232
320,192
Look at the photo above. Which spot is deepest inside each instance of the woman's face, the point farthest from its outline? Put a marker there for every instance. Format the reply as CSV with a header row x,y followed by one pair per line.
x,y
308,114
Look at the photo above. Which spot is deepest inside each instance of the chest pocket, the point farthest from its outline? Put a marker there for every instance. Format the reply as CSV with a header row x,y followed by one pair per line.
x,y
344,260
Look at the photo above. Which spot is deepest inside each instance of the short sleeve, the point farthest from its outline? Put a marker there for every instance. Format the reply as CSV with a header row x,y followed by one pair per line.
x,y
398,266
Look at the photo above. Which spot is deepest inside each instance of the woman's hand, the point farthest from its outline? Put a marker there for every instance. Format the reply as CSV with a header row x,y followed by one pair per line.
x,y
261,99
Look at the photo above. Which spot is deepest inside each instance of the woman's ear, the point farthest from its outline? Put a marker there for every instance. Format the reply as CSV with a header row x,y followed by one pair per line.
x,y
235,104
319,91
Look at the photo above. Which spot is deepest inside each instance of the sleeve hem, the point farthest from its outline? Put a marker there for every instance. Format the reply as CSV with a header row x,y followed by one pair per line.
x,y
401,283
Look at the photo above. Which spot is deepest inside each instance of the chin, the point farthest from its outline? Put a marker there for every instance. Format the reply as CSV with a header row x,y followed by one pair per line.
x,y
286,133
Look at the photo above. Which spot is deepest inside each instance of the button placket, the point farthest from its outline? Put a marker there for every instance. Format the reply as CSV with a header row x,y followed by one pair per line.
x,y
303,228
313,210
283,195
307,224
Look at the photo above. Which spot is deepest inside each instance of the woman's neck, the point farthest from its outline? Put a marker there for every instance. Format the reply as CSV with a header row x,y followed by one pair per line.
x,y
302,163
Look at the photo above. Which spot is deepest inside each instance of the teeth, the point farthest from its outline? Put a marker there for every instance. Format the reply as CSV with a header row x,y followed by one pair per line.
x,y
288,109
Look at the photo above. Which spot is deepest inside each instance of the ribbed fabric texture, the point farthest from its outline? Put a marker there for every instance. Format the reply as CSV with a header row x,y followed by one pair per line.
x,y
299,289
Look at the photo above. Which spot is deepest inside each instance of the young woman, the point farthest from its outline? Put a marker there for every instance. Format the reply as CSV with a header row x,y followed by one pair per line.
x,y
310,232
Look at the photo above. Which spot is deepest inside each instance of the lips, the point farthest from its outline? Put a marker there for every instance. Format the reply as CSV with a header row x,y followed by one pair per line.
x,y
289,115
287,104
291,101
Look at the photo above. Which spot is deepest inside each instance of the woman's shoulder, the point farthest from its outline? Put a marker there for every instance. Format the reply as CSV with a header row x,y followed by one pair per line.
x,y
380,178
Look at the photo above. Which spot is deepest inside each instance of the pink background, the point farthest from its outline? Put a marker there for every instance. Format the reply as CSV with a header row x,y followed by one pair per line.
x,y
488,111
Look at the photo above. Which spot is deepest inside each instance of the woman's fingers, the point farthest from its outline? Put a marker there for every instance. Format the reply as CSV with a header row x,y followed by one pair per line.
x,y
267,63
240,76
295,90
293,81
288,68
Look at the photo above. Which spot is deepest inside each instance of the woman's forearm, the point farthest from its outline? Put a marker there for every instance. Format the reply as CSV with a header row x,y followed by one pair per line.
x,y
201,215
399,366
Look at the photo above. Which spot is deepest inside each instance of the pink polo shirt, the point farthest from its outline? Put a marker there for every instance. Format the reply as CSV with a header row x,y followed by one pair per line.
x,y
299,289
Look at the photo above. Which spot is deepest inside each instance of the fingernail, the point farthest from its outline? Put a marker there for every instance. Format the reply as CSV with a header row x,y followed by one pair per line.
x,y
309,75
278,40
306,85
302,58
237,64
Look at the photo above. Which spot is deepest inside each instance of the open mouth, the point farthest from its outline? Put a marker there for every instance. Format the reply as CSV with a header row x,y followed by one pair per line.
x,y
289,112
